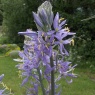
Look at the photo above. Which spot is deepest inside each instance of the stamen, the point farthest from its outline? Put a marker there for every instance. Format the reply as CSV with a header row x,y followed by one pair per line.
x,y
46,46
67,29
53,41
42,53
39,40
42,34
56,29
46,38
61,19
72,42
61,41
39,47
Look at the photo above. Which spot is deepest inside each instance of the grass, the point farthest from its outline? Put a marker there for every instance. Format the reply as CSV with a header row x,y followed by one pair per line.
x,y
83,85
11,79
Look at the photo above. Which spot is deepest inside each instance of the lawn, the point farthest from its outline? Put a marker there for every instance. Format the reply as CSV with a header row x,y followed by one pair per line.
x,y
84,84
11,79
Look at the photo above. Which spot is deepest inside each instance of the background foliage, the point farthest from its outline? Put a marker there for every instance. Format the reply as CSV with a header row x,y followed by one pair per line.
x,y
1,16
76,11
17,16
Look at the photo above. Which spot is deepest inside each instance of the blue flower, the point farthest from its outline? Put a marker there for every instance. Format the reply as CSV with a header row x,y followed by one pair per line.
x,y
44,50
1,77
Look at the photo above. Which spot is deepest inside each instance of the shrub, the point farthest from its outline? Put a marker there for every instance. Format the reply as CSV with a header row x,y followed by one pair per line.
x,y
13,16
7,48
17,16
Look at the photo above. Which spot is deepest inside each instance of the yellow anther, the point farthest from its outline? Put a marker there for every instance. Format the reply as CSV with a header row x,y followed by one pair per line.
x,y
59,65
42,53
46,46
46,38
19,74
67,29
6,87
43,34
72,42
10,90
61,19
56,29
2,84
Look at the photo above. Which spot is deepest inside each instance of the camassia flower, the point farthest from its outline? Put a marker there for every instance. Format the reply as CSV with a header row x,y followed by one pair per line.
x,y
44,51
1,91
4,90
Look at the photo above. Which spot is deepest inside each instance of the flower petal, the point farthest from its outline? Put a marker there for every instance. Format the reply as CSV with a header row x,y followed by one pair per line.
x,y
56,21
62,23
28,33
1,77
37,20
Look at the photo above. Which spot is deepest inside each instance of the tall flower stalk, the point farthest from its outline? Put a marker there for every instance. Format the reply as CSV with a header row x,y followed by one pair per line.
x,y
43,60
52,77
40,79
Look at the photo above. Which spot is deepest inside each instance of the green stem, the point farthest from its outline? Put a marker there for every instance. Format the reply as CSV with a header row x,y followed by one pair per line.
x,y
40,79
52,77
